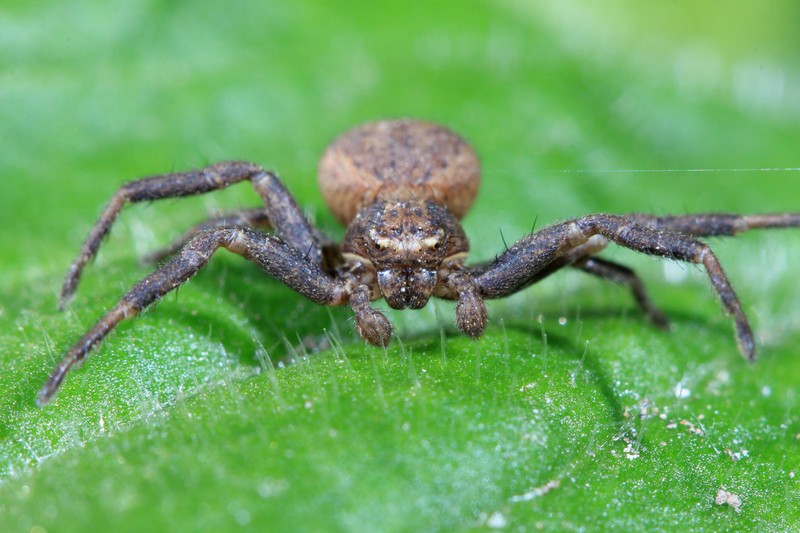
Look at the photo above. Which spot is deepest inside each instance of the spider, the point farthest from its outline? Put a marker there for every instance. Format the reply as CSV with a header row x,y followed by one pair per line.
x,y
401,188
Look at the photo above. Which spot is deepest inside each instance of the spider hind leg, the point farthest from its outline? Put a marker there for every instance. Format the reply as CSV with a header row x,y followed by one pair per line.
x,y
620,274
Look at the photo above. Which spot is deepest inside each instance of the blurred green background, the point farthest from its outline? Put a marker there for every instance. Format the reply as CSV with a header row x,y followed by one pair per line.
x,y
571,413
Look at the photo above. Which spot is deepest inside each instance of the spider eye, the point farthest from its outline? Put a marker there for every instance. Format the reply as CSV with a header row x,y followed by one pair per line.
x,y
379,243
432,243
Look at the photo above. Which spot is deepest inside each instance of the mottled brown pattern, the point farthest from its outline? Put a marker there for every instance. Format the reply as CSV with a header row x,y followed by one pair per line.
x,y
402,187
398,160
405,244
412,233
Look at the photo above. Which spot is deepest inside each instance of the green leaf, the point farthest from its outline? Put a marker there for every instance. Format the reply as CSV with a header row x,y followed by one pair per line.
x,y
572,412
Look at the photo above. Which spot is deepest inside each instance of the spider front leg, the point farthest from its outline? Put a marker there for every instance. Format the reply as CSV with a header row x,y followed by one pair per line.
x,y
582,258
255,218
536,253
471,313
281,210
371,324
277,258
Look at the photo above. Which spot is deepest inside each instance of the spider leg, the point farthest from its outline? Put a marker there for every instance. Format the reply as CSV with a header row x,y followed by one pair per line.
x,y
471,313
283,212
514,269
697,225
582,258
717,224
371,324
255,218
274,256
621,274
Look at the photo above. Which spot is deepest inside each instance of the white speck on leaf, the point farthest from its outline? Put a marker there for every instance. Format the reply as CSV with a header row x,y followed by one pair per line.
x,y
497,521
681,391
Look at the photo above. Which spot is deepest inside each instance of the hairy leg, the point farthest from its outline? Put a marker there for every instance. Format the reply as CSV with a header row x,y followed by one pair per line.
x,y
581,258
716,224
514,269
471,313
256,218
623,275
371,324
283,212
277,258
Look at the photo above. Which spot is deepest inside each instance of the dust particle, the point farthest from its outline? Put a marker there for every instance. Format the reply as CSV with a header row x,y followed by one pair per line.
x,y
732,500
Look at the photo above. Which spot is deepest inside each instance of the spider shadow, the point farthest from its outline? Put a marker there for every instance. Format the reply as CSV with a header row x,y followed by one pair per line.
x,y
572,347
569,349
564,346
264,313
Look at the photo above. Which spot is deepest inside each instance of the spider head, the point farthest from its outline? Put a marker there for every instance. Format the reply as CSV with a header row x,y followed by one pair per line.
x,y
405,245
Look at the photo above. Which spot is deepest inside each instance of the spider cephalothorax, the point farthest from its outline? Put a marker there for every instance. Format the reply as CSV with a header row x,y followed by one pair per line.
x,y
405,245
401,187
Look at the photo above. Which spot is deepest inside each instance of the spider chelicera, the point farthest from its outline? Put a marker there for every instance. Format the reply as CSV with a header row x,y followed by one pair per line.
x,y
400,187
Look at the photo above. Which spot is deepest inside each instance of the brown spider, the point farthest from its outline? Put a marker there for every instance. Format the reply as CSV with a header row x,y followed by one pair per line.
x,y
401,187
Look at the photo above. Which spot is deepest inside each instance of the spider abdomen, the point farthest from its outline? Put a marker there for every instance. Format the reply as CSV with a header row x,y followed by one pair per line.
x,y
397,160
